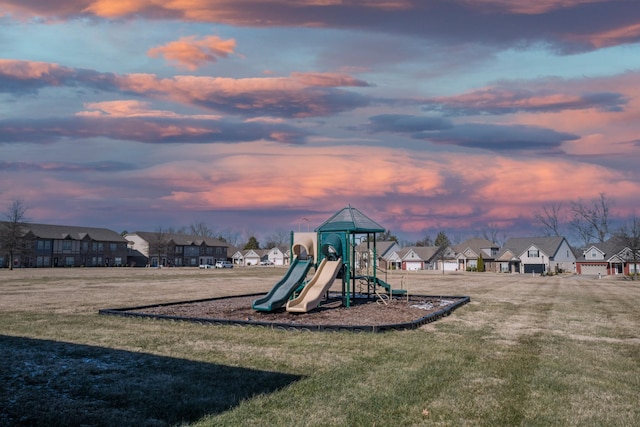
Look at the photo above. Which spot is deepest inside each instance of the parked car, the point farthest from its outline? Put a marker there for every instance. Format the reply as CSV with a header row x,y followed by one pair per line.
x,y
224,264
266,262
206,266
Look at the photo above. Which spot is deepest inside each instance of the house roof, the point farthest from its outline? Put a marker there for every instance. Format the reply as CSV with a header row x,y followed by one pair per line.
x,y
610,248
518,245
352,220
182,239
478,246
382,247
61,232
424,253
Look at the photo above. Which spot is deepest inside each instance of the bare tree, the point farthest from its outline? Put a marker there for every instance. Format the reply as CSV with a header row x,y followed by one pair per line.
x,y
444,247
629,235
550,219
230,236
591,222
201,229
280,237
425,241
492,234
13,240
159,245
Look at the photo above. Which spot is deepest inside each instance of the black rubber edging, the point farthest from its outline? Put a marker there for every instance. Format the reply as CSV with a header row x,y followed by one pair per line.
x,y
431,317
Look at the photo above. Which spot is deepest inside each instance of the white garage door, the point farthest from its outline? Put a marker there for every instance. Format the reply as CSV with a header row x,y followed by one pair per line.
x,y
593,269
413,266
450,265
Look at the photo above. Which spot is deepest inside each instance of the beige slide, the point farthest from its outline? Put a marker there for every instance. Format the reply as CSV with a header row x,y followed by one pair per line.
x,y
312,293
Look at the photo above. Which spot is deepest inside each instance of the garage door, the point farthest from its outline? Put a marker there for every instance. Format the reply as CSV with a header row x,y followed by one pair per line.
x,y
450,266
593,269
413,266
534,268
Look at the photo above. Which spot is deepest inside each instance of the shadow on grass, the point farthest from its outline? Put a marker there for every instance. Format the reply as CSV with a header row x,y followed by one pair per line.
x,y
60,384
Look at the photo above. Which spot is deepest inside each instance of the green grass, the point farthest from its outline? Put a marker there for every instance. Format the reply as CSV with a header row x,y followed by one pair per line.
x,y
526,351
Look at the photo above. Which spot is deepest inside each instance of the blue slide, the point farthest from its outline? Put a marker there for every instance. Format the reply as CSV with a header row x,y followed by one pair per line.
x,y
278,296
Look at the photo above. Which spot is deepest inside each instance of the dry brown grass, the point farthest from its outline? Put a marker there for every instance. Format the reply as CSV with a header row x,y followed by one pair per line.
x,y
527,350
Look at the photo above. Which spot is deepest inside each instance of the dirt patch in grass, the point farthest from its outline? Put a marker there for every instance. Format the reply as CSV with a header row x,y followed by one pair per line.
x,y
374,311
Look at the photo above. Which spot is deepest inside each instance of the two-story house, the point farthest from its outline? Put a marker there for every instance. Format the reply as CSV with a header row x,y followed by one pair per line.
x,y
177,249
536,255
70,246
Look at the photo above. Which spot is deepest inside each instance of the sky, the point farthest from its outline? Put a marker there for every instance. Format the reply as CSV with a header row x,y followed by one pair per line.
x,y
257,116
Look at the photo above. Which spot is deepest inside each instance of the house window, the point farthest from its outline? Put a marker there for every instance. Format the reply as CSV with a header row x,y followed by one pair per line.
x,y
66,245
593,254
69,261
113,247
178,249
44,245
191,251
533,253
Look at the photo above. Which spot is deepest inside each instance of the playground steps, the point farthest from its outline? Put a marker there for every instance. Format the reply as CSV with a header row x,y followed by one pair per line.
x,y
387,287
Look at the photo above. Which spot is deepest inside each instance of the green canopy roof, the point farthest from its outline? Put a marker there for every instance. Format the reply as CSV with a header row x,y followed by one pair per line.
x,y
352,220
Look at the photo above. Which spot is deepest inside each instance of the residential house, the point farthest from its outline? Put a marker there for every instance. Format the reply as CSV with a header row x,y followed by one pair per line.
x,y
419,257
277,255
69,246
447,260
386,257
536,255
612,257
252,256
177,249
470,251
237,257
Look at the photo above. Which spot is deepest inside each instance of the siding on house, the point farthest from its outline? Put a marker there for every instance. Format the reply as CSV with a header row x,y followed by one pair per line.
x,y
70,246
177,249
612,257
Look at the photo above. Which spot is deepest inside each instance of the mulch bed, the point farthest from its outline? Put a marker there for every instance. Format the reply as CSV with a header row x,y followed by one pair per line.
x,y
365,314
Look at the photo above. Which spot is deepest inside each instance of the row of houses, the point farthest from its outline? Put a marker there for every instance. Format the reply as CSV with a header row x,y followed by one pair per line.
x,y
69,246
47,245
537,255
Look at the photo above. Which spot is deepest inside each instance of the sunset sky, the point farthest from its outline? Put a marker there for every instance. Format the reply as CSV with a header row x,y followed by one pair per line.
x,y
426,115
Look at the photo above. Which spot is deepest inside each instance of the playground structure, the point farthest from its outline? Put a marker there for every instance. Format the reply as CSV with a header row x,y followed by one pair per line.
x,y
331,250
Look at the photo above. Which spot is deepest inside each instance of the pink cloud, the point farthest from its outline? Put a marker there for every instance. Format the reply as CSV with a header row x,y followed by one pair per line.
x,y
192,53
430,190
593,23
298,95
327,79
131,108
529,6
614,37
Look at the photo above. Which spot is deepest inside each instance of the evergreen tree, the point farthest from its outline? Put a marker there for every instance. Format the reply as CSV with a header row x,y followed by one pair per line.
x,y
442,241
252,244
480,263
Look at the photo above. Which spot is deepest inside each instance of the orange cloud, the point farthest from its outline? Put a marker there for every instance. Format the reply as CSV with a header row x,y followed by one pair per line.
x,y
192,53
429,190
131,108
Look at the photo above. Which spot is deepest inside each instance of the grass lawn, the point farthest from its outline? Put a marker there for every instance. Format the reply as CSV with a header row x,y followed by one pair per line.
x,y
534,351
